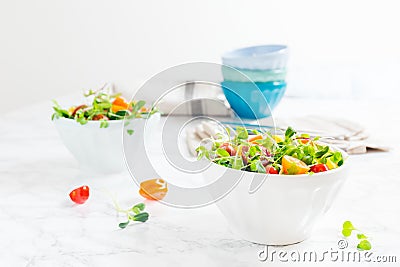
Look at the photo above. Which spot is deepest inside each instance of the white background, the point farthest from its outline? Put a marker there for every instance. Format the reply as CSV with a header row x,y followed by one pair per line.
x,y
50,48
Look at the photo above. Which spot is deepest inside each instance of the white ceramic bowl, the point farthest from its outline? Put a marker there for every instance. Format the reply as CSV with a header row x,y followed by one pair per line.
x,y
284,209
262,57
98,149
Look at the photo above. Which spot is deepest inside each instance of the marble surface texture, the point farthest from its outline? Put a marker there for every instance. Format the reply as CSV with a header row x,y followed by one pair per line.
x,y
40,226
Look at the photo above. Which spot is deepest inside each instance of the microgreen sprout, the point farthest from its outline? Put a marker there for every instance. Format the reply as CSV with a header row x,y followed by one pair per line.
x,y
134,214
347,231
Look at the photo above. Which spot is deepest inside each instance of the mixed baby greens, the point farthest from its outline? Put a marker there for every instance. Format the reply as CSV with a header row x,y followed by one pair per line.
x,y
348,229
134,214
266,153
104,107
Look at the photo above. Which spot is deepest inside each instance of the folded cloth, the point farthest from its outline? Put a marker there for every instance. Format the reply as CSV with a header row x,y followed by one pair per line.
x,y
345,134
342,133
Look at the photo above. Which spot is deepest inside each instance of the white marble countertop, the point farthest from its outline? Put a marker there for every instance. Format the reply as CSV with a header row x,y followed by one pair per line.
x,y
40,226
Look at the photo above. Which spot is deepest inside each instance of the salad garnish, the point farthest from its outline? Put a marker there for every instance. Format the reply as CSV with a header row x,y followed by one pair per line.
x,y
348,229
104,107
263,152
134,214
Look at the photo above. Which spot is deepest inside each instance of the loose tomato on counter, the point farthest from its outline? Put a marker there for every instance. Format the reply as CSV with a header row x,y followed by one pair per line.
x,y
292,165
319,168
154,189
80,194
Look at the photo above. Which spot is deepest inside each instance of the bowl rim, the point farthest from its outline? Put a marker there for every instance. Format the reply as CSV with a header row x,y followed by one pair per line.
x,y
236,53
90,121
99,121
279,83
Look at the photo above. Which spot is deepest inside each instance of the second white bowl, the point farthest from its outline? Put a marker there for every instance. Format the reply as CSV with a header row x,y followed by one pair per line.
x,y
98,149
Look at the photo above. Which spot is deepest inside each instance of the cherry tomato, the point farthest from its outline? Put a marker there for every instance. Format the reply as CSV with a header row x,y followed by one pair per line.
x,y
228,149
100,117
304,140
319,168
80,194
271,170
292,165
154,189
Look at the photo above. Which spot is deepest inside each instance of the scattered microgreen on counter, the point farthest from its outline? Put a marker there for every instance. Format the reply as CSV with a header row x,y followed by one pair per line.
x,y
134,214
290,153
104,107
347,231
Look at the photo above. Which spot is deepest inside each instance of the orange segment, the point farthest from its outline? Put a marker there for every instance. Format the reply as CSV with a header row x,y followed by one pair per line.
x,y
292,165
118,104
255,138
153,189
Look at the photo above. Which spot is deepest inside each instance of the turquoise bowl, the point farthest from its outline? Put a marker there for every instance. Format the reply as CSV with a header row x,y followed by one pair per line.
x,y
246,75
253,100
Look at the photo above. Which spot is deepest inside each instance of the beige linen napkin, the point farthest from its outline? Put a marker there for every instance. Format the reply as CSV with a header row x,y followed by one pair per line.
x,y
345,134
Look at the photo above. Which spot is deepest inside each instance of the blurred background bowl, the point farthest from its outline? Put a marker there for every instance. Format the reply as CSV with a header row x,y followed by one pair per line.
x,y
254,79
245,75
262,57
253,100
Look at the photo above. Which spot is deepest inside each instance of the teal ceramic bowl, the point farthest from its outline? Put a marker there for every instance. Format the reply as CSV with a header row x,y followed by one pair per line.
x,y
253,100
245,75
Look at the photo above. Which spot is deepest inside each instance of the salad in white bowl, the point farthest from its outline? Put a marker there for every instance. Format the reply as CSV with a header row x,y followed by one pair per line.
x,y
93,132
300,177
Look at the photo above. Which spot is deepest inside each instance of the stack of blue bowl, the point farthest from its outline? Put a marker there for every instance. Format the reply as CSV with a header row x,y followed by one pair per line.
x,y
254,79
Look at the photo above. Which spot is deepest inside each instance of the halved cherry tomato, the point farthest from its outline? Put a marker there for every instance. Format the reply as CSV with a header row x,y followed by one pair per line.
x,y
304,140
292,165
77,108
100,117
271,170
228,148
154,189
254,138
118,104
319,168
80,194
143,110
